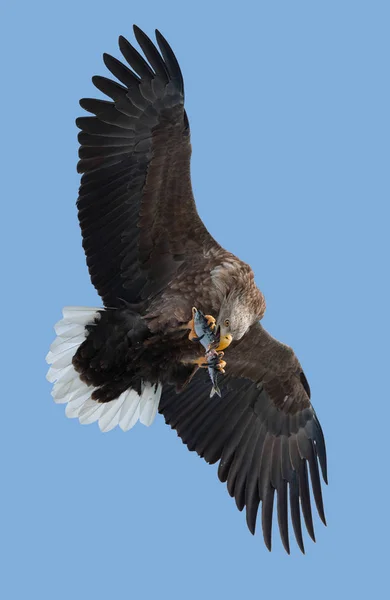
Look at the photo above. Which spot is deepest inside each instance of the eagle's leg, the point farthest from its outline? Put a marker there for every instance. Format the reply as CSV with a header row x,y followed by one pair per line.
x,y
206,362
192,335
191,326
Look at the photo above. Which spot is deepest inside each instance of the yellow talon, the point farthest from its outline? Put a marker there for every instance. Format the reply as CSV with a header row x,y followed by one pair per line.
x,y
191,326
192,335
203,362
210,321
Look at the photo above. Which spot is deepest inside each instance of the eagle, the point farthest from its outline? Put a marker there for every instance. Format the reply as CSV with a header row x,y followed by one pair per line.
x,y
153,263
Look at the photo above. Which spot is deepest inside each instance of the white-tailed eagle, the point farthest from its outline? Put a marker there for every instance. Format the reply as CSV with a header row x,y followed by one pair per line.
x,y
152,260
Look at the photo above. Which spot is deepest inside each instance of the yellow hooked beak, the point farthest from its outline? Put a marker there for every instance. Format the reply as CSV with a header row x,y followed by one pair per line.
x,y
224,342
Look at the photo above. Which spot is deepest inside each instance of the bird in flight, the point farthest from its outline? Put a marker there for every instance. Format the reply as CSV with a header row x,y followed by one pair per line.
x,y
167,288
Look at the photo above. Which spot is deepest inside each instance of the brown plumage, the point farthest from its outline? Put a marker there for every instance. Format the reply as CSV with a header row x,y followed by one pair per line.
x,y
151,259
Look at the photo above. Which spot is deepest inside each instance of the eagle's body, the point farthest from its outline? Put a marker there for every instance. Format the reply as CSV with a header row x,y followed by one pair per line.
x,y
214,277
151,259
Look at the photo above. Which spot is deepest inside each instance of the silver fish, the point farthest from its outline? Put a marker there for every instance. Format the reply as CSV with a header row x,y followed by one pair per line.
x,y
213,360
206,335
209,339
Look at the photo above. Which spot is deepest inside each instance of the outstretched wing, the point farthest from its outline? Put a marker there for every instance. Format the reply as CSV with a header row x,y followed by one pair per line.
x,y
263,430
136,208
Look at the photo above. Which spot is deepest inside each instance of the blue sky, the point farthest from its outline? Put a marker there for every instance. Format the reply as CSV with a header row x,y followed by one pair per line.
x,y
289,111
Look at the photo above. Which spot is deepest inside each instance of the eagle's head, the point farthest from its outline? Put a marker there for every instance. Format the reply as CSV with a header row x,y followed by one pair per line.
x,y
234,319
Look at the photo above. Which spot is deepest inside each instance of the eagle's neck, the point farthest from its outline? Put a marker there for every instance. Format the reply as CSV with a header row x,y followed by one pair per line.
x,y
234,280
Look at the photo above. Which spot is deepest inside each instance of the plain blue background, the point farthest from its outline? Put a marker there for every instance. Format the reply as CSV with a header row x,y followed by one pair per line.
x,y
289,110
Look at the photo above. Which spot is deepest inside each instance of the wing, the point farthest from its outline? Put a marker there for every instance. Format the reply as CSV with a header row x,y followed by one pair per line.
x,y
263,430
136,208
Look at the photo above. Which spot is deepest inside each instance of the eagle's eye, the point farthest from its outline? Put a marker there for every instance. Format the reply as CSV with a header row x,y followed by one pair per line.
x,y
226,322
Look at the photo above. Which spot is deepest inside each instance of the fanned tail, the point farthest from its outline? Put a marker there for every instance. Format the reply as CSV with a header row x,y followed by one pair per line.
x,y
125,410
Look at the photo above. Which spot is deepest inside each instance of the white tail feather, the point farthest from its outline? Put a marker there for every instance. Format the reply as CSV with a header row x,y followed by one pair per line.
x,y
67,329
148,414
61,343
54,374
90,412
73,407
110,418
62,393
124,411
130,411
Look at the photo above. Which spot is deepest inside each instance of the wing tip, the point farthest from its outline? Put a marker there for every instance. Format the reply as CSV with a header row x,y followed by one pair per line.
x,y
107,58
123,42
159,37
268,543
311,534
251,522
140,35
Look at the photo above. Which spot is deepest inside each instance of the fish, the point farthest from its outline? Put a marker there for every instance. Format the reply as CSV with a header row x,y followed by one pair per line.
x,y
206,335
209,338
213,360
